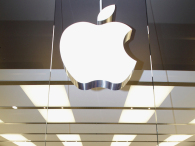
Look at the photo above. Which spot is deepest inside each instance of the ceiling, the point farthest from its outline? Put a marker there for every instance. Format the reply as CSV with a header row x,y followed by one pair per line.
x,y
162,99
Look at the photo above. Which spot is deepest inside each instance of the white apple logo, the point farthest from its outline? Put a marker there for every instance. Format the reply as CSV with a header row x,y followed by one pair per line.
x,y
94,55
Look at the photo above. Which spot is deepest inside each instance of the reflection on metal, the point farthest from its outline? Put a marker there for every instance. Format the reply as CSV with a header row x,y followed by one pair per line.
x,y
119,108
95,123
98,83
92,141
101,133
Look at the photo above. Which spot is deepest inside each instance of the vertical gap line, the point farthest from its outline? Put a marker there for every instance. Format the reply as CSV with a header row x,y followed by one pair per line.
x,y
49,83
173,112
62,17
156,34
52,45
148,30
100,5
163,64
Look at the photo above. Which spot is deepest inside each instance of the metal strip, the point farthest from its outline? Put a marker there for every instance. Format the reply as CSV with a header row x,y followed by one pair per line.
x,y
119,108
92,141
99,123
70,83
101,133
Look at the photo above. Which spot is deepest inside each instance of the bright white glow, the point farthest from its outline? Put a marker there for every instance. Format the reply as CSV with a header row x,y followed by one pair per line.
x,y
135,116
120,143
58,115
122,138
14,137
98,53
72,144
38,94
106,13
17,137
142,96
73,137
168,143
192,122
1,121
178,137
14,107
24,143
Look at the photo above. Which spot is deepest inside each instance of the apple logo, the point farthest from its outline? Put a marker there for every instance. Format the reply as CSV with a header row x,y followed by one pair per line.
x,y
94,55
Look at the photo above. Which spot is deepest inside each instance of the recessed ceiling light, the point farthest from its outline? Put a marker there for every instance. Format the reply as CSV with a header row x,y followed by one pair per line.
x,y
66,137
24,143
123,137
145,98
120,143
135,98
176,138
168,143
14,137
119,138
38,94
73,137
72,144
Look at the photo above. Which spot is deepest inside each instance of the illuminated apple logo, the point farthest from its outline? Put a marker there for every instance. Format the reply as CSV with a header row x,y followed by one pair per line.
x,y
94,55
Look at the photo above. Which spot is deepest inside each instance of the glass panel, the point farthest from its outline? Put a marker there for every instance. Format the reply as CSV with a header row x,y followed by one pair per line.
x,y
96,126
26,31
172,47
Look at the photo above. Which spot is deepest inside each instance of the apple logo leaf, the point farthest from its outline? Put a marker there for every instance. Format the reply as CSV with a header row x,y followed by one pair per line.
x,y
94,55
106,15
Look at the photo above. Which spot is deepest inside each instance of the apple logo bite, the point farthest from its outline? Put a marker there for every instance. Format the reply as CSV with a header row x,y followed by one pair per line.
x,y
94,55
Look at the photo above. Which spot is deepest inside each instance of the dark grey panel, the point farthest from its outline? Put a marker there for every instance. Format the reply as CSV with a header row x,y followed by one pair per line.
x,y
25,44
27,10
176,47
132,13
